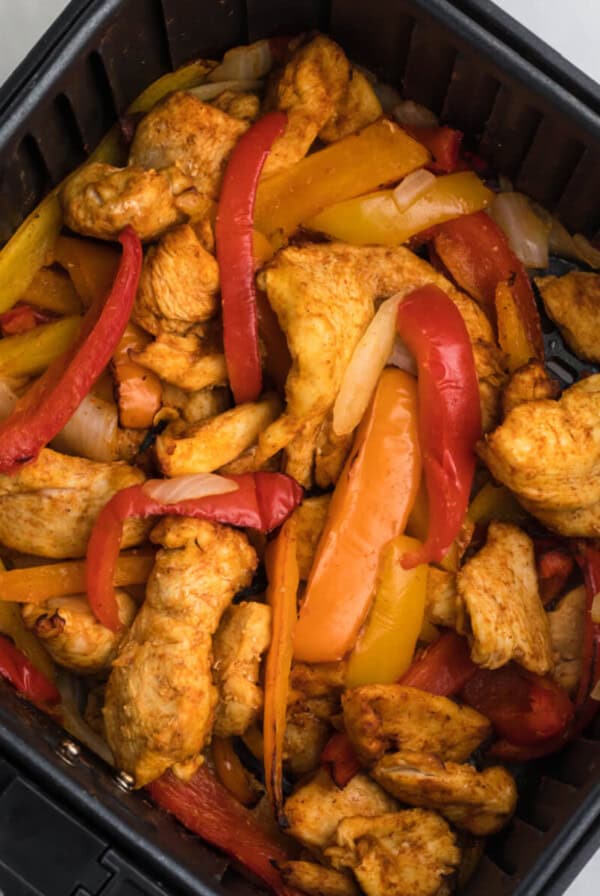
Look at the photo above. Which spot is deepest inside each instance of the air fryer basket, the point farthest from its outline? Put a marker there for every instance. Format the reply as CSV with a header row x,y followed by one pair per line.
x,y
535,119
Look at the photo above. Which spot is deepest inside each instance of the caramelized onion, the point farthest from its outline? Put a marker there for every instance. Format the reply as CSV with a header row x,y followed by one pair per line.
x,y
92,431
244,63
526,232
208,91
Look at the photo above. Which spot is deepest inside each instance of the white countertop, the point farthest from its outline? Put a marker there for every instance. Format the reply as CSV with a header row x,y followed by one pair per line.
x,y
570,27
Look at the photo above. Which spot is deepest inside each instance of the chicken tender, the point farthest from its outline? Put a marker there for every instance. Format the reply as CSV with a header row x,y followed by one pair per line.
x,y
573,303
178,286
311,516
548,454
479,802
187,362
504,616
73,636
206,446
196,406
307,730
196,137
410,852
316,880
241,639
379,717
323,295
49,507
245,106
100,200
567,626
529,383
358,107
160,698
315,809
441,606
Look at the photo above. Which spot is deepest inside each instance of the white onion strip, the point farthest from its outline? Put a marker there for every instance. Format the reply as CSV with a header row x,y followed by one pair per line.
x,y
92,432
401,358
414,115
526,232
252,61
364,369
414,185
188,487
207,92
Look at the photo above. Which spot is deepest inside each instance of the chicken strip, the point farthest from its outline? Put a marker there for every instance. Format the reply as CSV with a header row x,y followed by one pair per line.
x,y
313,700
241,639
178,286
410,852
160,698
245,106
479,802
379,717
503,616
316,880
100,200
206,446
196,406
49,507
323,295
316,808
310,516
441,597
196,137
73,636
529,383
567,626
573,303
548,454
187,362
358,107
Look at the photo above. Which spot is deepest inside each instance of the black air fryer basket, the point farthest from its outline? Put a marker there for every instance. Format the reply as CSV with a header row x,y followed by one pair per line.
x,y
69,825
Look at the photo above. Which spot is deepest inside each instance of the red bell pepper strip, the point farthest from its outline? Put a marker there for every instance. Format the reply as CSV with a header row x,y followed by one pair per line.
x,y
449,412
477,254
262,501
50,403
339,758
205,807
444,145
22,318
23,675
553,569
443,668
235,254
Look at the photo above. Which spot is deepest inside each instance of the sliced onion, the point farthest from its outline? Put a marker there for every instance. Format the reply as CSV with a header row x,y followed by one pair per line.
x,y
414,115
74,722
207,92
414,185
401,358
364,369
8,400
596,609
585,251
526,232
244,63
92,431
388,96
188,487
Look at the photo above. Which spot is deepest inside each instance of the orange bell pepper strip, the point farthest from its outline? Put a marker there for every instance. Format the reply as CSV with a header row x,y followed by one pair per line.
x,y
91,266
53,290
231,773
512,335
339,758
139,390
385,647
370,506
283,577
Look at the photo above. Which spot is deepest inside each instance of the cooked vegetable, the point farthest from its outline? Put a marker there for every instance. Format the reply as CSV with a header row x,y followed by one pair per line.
x,y
235,254
12,625
23,675
379,154
449,412
554,567
442,142
526,232
22,318
282,573
375,218
207,92
231,773
414,185
139,391
512,337
252,61
443,668
339,757
371,503
28,354
187,488
53,290
385,648
495,502
92,431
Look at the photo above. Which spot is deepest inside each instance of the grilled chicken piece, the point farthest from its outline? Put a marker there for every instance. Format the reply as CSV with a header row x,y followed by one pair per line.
x,y
49,507
479,802
314,699
316,880
208,445
178,286
529,383
317,680
400,853
316,808
73,636
100,200
310,516
196,406
188,362
196,137
503,616
379,717
573,303
323,295
567,625
548,454
441,605
321,96
160,699
245,106
241,639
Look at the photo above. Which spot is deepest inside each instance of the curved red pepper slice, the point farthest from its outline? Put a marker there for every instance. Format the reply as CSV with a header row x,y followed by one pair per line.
x,y
443,143
449,412
234,239
339,758
444,667
262,501
50,403
22,674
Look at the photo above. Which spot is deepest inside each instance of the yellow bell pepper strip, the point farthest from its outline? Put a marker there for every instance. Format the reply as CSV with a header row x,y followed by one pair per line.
x,y
495,502
231,773
91,266
370,506
376,219
283,577
29,353
382,153
512,336
385,647
37,584
54,291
